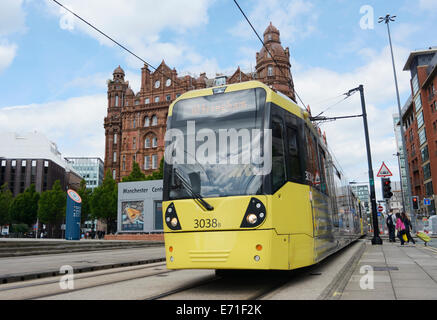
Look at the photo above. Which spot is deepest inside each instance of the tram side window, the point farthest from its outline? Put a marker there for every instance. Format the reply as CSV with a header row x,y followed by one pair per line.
x,y
293,154
278,155
322,161
311,165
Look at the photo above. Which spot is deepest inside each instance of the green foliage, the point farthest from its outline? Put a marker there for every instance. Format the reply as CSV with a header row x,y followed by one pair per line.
x,y
51,206
6,198
104,200
24,207
85,194
19,228
135,175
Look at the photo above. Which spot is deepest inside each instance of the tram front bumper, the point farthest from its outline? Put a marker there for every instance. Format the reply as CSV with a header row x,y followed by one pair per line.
x,y
242,249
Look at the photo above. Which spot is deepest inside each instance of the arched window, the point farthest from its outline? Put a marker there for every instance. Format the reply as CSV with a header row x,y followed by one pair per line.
x,y
154,120
116,100
147,143
155,142
270,71
146,121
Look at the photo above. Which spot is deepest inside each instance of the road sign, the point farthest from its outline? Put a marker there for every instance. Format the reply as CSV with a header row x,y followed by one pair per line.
x,y
384,171
380,208
426,202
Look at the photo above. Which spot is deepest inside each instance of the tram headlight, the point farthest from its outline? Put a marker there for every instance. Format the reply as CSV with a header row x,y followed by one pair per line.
x,y
171,218
255,214
252,218
174,222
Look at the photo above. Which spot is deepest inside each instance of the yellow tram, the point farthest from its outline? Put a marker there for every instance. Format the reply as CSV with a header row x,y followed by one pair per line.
x,y
249,183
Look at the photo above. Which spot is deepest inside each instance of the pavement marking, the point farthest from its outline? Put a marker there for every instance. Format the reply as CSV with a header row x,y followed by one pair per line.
x,y
430,249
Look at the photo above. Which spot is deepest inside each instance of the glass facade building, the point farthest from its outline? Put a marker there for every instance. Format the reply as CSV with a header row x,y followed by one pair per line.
x,y
91,169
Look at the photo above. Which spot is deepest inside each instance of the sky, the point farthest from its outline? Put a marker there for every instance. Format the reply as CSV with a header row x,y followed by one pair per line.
x,y
54,68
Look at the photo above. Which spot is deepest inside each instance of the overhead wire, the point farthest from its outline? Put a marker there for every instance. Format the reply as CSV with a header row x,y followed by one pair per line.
x,y
116,42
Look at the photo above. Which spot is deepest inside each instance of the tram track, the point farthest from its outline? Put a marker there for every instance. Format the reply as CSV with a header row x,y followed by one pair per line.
x,y
50,288
156,282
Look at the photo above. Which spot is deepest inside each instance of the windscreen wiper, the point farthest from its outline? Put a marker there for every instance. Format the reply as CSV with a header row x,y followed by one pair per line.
x,y
193,194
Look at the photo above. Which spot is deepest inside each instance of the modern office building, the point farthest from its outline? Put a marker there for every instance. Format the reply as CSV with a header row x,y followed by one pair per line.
x,y
33,159
136,122
420,120
91,169
401,161
362,193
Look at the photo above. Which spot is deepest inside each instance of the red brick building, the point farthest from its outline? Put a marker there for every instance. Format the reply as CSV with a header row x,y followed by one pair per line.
x,y
420,123
135,124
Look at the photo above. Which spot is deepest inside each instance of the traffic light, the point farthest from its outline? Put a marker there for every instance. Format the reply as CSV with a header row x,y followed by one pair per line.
x,y
386,188
415,202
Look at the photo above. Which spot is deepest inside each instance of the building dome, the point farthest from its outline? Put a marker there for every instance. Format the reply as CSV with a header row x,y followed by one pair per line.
x,y
129,92
271,29
119,70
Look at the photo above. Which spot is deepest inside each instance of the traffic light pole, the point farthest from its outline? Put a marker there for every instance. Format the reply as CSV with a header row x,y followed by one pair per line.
x,y
376,239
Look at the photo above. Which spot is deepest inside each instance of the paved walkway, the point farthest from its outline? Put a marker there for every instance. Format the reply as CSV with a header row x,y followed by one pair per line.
x,y
399,273
43,265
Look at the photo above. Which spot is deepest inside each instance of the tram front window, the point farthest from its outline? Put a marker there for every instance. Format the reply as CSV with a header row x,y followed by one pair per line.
x,y
215,144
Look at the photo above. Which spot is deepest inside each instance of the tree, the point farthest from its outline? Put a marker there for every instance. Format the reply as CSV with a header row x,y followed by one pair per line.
x,y
6,198
104,202
135,175
85,194
51,208
24,207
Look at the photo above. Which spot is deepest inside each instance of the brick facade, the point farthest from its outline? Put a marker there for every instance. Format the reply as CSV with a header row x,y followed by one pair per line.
x,y
420,121
135,123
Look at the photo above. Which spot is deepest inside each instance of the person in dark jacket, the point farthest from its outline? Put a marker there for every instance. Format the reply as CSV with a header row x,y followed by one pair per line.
x,y
391,227
408,227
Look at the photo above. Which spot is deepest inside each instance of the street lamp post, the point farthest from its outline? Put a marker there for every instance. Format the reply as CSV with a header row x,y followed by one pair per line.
x,y
387,20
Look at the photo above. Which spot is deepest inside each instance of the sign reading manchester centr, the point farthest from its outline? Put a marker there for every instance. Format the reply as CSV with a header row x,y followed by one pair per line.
x,y
142,190
140,206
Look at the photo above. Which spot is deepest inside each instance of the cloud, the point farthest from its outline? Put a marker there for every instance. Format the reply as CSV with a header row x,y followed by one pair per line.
x,y
12,21
295,19
75,124
7,54
346,137
137,24
12,17
428,5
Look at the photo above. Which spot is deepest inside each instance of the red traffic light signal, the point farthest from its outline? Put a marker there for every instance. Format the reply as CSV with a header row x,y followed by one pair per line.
x,y
386,188
415,203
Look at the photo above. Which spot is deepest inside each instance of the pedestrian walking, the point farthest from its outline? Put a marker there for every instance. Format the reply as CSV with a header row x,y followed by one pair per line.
x,y
391,227
400,228
407,222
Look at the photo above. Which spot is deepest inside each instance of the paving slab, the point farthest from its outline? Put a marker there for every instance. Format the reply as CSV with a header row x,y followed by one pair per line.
x,y
410,274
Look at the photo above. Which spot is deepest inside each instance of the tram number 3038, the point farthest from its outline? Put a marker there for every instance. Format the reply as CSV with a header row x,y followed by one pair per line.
x,y
206,223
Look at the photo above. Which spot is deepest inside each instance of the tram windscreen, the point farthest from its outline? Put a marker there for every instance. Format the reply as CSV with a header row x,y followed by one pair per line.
x,y
215,144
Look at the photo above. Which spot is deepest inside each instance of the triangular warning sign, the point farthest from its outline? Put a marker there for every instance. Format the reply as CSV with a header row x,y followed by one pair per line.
x,y
384,171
